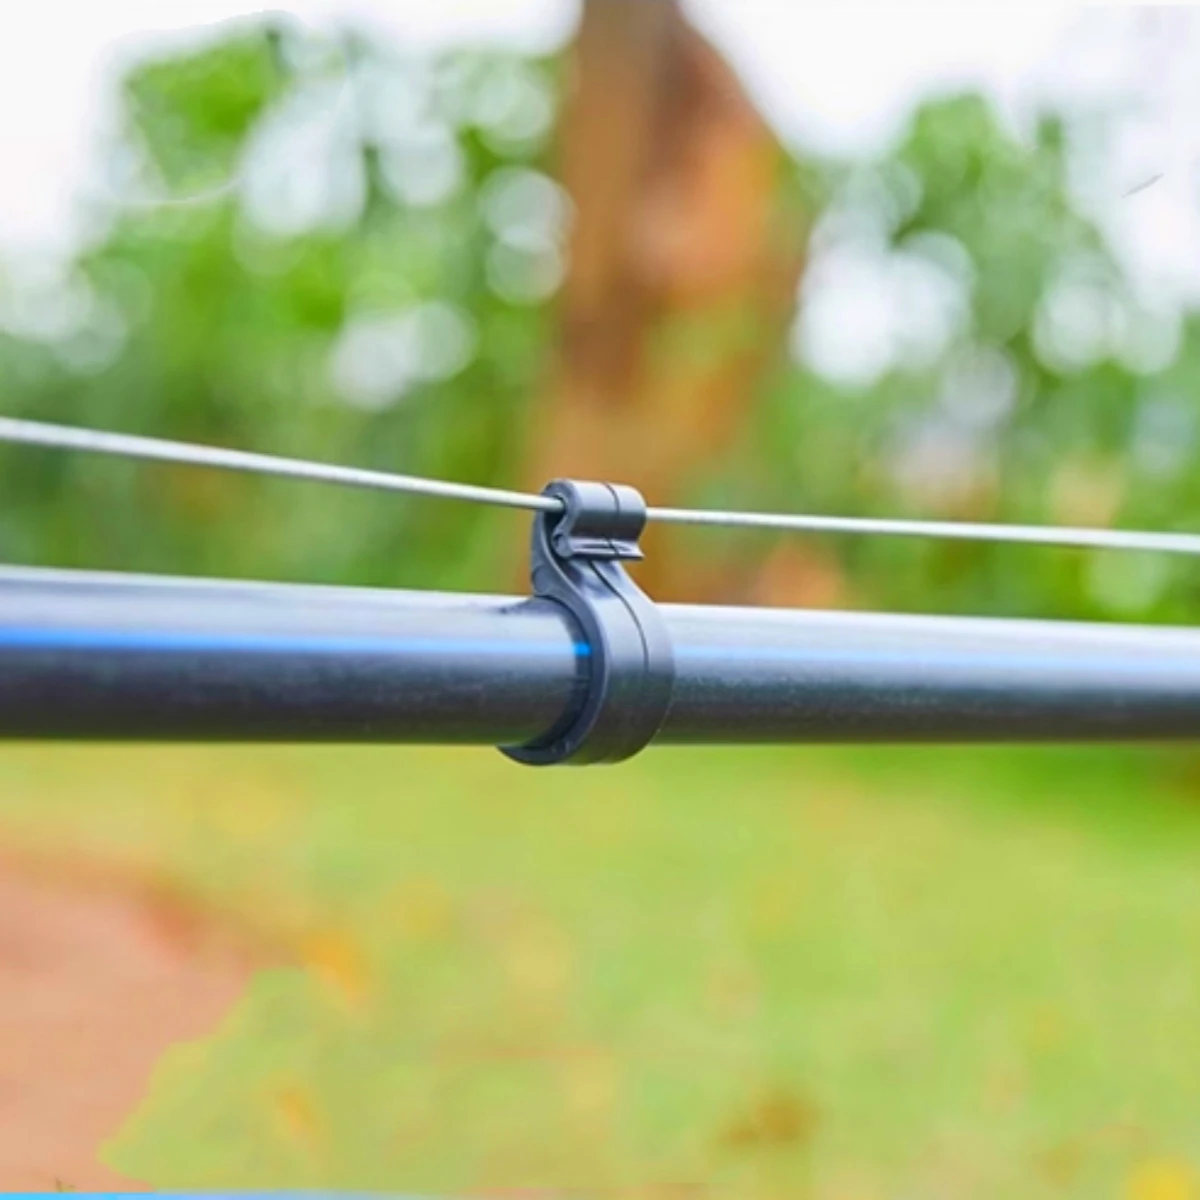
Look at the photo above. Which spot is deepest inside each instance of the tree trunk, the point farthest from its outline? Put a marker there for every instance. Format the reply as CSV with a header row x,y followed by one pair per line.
x,y
684,264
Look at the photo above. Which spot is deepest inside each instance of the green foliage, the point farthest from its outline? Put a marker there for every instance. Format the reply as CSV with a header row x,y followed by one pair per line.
x,y
1049,394
193,113
373,284
369,290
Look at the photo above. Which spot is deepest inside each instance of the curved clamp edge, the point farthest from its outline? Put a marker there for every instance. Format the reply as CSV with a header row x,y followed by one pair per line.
x,y
577,557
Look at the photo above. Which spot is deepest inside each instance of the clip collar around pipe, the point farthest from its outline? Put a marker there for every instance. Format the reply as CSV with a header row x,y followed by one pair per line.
x,y
577,557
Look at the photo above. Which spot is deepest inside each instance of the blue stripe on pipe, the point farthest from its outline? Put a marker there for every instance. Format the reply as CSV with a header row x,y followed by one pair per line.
x,y
168,641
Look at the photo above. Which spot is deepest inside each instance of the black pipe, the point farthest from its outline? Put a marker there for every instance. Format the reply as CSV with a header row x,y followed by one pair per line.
x,y
88,656
136,658
764,675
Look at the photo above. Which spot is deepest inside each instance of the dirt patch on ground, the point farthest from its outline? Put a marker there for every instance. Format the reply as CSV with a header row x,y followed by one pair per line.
x,y
96,982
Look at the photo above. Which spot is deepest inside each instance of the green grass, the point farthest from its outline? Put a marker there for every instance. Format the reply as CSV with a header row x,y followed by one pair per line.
x,y
817,973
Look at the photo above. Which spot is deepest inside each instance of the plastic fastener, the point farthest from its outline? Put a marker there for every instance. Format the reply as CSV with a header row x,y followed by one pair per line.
x,y
630,671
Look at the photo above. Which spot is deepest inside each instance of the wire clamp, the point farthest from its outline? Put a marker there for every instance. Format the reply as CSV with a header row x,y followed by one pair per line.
x,y
578,551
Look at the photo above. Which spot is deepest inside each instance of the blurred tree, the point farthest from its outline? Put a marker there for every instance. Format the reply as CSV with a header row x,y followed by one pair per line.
x,y
1021,377
685,255
337,250
314,249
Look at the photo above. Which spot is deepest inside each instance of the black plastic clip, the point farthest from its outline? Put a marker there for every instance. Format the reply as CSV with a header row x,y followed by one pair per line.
x,y
630,669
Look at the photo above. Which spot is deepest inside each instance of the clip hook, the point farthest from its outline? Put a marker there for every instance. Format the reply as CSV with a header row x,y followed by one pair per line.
x,y
577,557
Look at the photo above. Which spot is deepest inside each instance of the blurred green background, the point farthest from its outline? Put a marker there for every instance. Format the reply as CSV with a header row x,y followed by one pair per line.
x,y
829,974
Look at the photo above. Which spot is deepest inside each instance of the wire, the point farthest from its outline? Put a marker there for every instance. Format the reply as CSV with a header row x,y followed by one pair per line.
x,y
123,445
63,437
1040,535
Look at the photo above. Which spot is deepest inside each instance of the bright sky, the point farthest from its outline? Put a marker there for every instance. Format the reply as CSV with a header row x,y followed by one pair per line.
x,y
838,77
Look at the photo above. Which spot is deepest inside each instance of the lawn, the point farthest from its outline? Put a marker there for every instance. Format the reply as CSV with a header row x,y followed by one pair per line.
x,y
831,974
